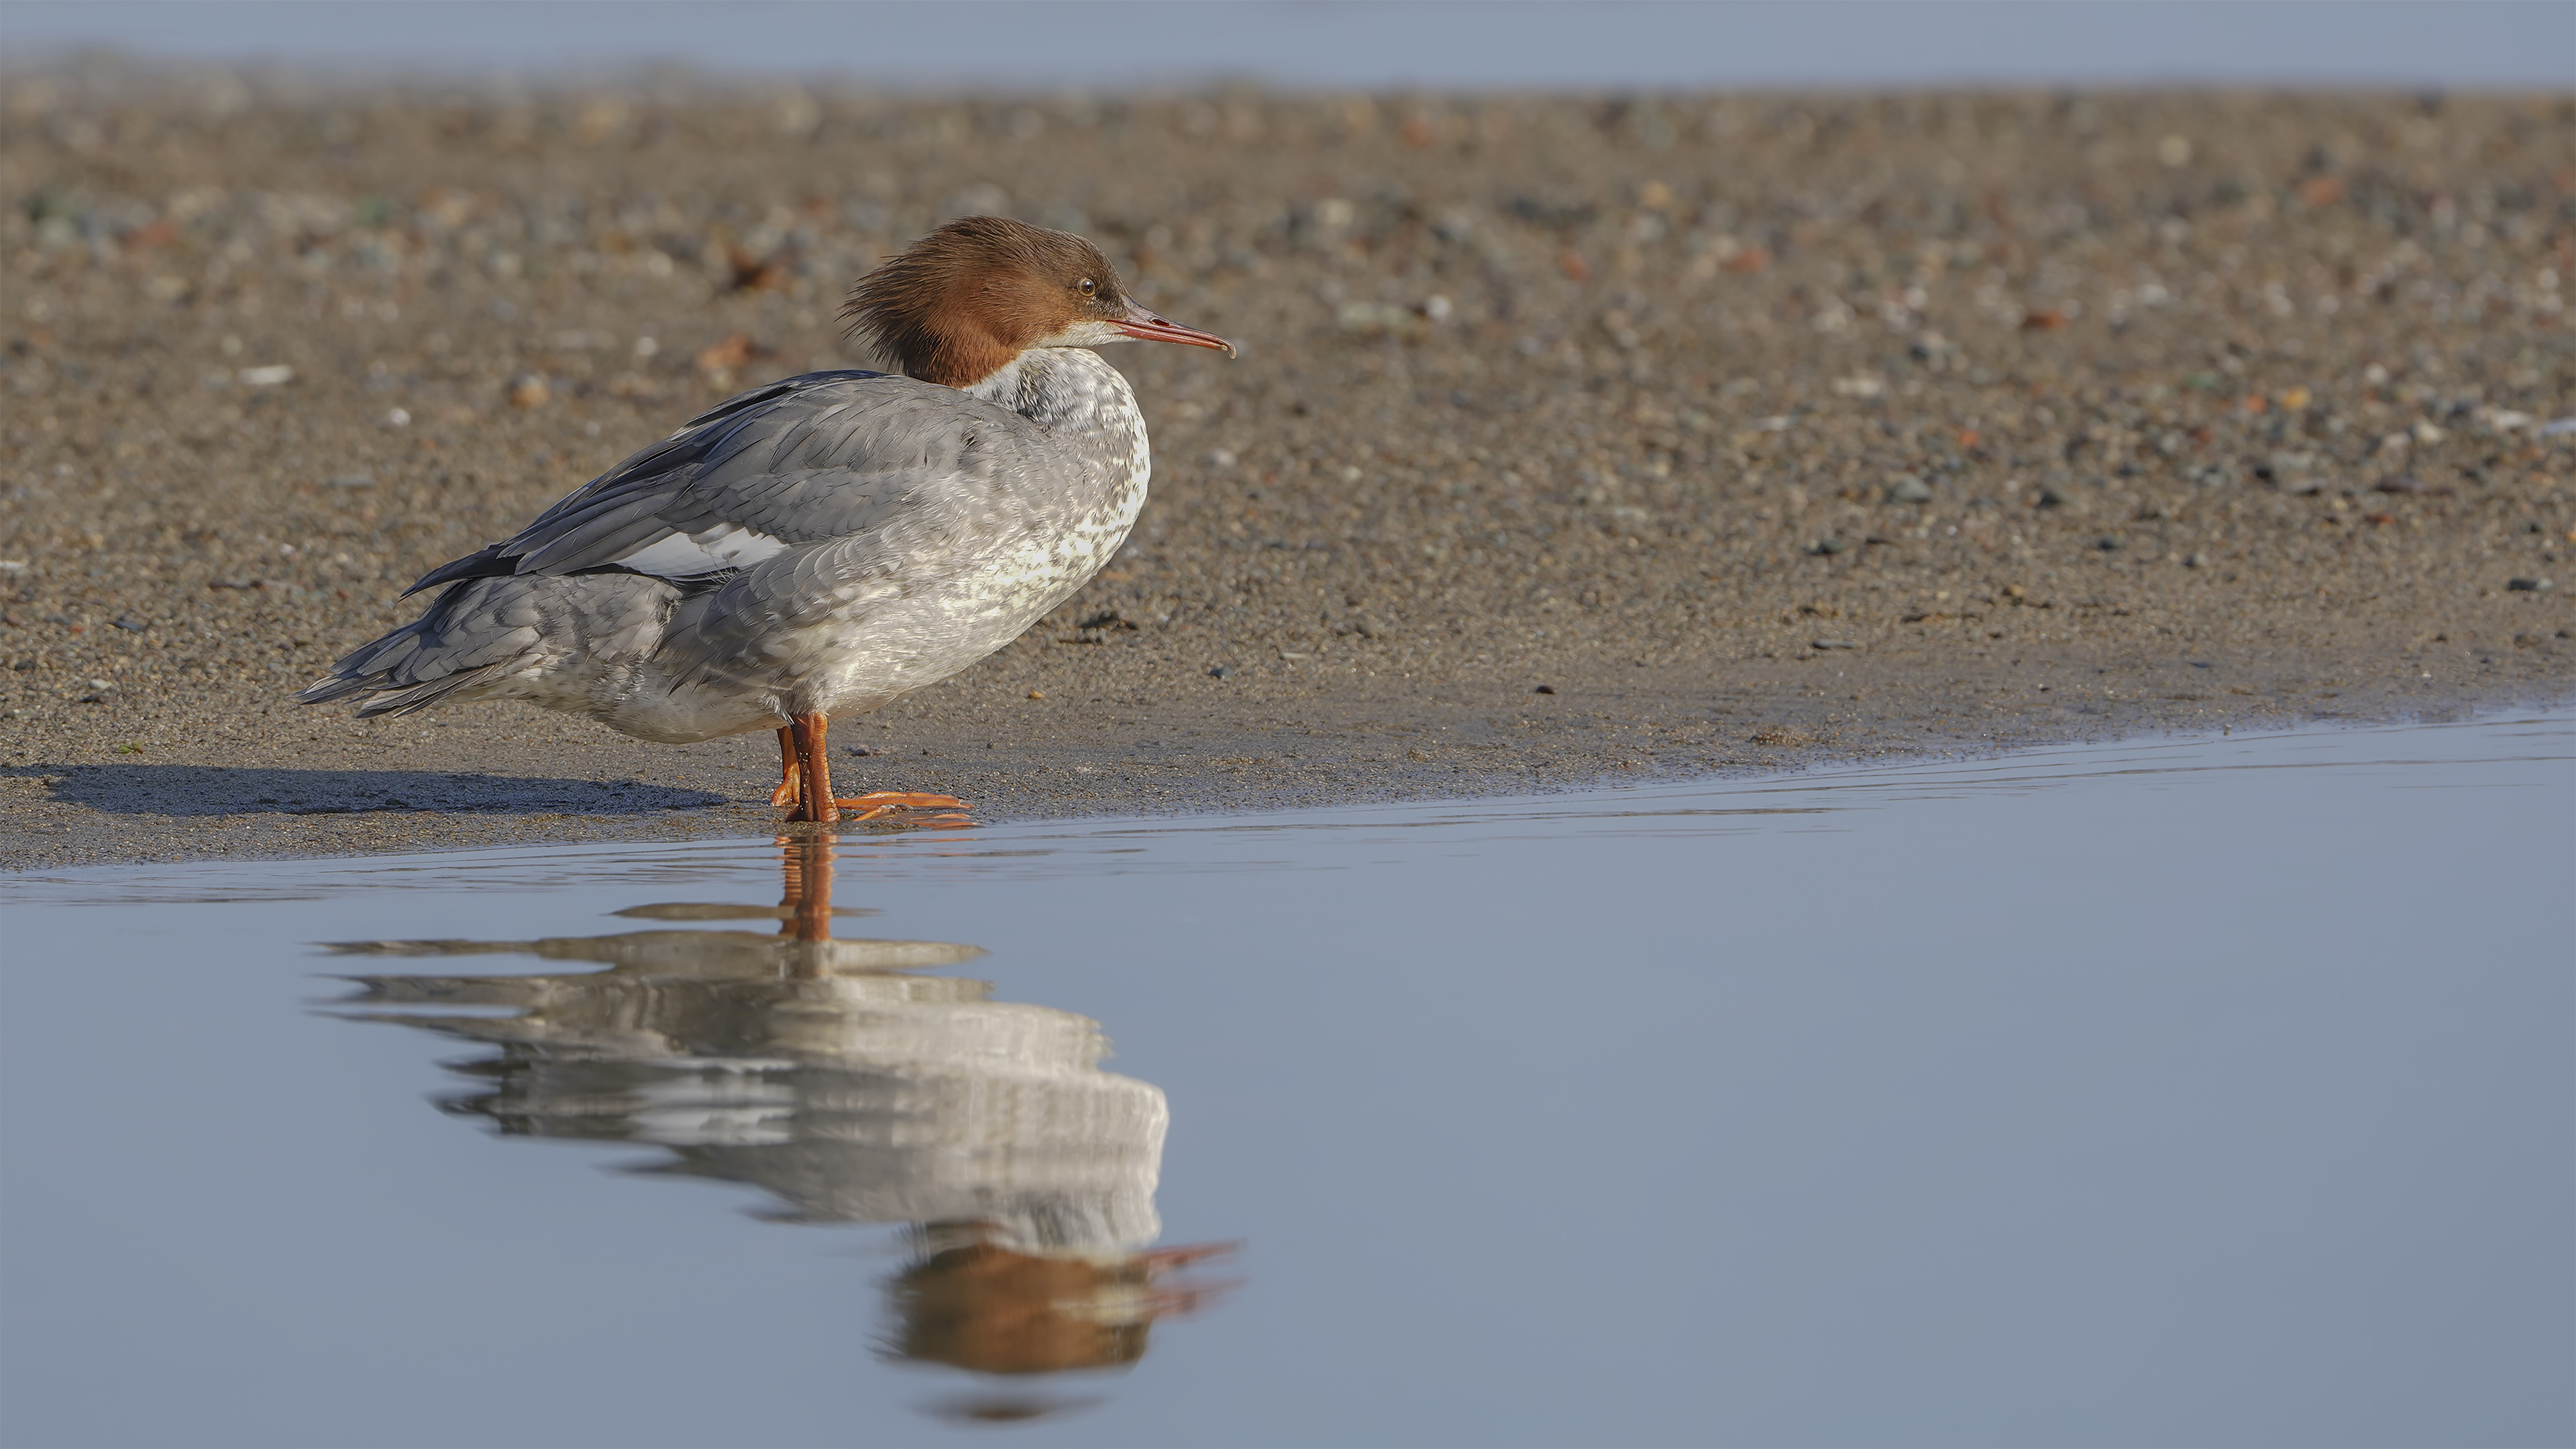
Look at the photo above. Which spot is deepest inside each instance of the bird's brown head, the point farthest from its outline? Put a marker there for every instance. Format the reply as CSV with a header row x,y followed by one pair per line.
x,y
960,303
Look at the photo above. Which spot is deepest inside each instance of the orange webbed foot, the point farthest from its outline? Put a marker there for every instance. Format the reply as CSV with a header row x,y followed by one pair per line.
x,y
907,818
901,800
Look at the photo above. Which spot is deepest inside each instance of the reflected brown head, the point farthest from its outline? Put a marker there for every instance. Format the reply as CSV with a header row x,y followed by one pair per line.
x,y
960,303
994,1311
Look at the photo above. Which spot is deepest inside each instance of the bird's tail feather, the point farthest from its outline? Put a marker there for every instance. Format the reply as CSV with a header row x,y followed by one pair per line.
x,y
419,696
482,633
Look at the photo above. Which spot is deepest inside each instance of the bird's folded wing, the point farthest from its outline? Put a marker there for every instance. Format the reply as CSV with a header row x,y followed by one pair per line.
x,y
824,456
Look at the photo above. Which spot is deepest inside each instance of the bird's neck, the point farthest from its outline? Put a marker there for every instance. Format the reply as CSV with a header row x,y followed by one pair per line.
x,y
1085,405
1061,388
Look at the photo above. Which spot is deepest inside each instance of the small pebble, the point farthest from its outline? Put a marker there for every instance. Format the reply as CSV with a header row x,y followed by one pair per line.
x,y
1221,671
1835,644
1544,689
1908,488
1376,318
2519,586
131,624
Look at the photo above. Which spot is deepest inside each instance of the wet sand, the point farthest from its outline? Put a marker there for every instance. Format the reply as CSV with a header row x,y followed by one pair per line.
x,y
1572,440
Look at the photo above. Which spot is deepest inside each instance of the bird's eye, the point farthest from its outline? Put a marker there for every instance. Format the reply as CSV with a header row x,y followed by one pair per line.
x,y
1086,286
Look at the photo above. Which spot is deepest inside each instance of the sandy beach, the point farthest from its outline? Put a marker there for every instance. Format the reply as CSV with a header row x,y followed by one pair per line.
x,y
1573,439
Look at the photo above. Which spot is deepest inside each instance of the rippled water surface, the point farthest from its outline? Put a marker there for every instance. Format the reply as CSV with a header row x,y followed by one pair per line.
x,y
2217,1091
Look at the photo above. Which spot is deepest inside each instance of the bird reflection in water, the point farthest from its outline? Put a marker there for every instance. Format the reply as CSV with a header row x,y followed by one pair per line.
x,y
852,1091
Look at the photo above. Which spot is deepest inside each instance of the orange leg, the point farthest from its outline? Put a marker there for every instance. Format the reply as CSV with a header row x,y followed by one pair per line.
x,y
807,903
816,787
805,773
789,771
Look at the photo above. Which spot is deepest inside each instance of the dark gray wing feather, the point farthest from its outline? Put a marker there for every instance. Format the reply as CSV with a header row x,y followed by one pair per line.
x,y
823,456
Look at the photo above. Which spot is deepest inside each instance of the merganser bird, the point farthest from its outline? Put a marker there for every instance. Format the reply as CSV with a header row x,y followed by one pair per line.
x,y
827,543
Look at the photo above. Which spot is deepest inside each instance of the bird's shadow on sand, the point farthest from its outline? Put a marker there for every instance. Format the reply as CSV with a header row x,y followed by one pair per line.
x,y
183,790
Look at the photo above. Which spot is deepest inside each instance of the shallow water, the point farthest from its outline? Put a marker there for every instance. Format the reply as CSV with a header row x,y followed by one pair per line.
x,y
2176,1092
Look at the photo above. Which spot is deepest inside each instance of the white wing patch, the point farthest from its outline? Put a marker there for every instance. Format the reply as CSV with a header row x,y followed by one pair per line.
x,y
690,555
